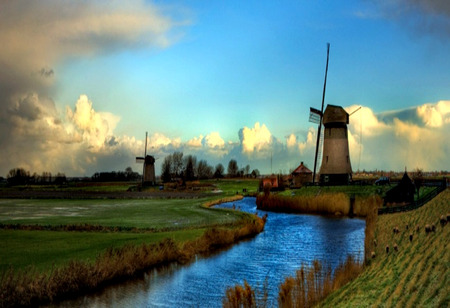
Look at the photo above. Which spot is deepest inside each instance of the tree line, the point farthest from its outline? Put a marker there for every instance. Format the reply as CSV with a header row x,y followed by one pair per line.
x,y
177,166
20,176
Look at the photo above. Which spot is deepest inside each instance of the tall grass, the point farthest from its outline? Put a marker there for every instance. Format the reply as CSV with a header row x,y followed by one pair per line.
x,y
31,288
222,200
329,203
309,286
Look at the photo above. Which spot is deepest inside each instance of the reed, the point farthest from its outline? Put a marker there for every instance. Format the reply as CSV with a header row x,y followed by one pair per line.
x,y
222,200
30,287
328,204
306,288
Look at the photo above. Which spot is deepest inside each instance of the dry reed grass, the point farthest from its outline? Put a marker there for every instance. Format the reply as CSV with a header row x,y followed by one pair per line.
x,y
31,288
309,286
223,200
330,203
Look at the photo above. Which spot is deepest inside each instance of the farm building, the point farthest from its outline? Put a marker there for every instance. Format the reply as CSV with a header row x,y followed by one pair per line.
x,y
402,193
270,181
301,175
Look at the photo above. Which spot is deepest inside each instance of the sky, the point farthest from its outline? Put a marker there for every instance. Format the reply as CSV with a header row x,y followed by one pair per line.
x,y
82,81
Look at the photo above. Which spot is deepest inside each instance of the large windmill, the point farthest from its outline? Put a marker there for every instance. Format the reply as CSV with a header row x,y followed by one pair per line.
x,y
148,171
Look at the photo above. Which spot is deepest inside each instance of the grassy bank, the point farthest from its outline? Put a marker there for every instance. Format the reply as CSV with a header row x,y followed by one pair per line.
x,y
416,275
326,203
33,287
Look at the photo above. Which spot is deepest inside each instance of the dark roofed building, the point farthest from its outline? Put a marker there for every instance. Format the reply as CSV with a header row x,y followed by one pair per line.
x,y
301,175
402,193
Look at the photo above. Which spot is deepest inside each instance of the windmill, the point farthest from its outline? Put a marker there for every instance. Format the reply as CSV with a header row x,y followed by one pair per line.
x,y
336,168
148,170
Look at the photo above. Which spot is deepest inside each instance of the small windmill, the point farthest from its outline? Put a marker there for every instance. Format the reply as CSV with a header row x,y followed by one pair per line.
x,y
148,170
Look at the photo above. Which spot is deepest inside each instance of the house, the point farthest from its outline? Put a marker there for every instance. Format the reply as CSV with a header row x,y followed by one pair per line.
x,y
301,175
402,193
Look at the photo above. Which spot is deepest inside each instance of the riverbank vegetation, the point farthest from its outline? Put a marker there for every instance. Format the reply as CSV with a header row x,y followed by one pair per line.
x,y
327,204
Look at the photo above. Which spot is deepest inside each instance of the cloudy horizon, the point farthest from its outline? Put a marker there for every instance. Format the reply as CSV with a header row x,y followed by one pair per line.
x,y
82,82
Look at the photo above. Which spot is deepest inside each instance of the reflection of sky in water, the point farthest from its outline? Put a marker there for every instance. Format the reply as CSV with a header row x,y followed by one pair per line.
x,y
287,242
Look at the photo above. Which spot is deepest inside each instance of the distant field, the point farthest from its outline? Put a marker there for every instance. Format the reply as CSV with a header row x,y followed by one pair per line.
x,y
418,275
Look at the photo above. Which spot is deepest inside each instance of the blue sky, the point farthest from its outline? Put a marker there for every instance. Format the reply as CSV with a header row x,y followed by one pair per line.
x,y
221,80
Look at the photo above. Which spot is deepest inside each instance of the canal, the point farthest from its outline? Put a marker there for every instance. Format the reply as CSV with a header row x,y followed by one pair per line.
x,y
288,241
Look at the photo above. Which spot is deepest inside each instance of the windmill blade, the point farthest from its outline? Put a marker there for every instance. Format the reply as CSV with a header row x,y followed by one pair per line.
x,y
140,160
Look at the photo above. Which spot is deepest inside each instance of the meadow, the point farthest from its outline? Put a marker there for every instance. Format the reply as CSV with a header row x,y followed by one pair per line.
x,y
128,221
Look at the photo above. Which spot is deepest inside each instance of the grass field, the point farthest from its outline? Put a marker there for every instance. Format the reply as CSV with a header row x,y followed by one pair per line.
x,y
178,219
417,275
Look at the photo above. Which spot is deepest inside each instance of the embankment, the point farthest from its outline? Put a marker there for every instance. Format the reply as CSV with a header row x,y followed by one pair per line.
x,y
325,204
410,265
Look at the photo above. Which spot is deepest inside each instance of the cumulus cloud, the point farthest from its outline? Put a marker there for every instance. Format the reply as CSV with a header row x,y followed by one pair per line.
x,y
393,140
256,139
195,142
37,134
435,115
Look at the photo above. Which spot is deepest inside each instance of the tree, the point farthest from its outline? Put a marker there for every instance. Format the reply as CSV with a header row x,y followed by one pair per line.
x,y
189,171
232,168
177,164
60,178
218,173
204,171
166,169
247,170
18,176
255,173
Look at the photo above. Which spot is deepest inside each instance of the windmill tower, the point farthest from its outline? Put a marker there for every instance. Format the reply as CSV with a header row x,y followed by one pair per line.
x,y
148,176
336,168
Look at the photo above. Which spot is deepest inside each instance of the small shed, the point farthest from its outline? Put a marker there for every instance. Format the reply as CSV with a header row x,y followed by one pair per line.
x,y
301,175
402,193
270,181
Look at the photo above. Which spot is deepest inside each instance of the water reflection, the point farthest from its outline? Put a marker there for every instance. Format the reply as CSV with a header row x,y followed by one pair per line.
x,y
288,241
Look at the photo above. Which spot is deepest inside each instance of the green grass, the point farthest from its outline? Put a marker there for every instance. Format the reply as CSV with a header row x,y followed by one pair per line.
x,y
44,249
139,213
232,186
417,275
184,218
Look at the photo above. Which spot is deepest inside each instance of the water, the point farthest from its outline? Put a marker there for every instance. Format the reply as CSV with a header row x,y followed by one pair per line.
x,y
287,241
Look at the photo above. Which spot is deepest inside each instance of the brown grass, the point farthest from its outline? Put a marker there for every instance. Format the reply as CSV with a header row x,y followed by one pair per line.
x,y
309,286
332,203
31,288
223,200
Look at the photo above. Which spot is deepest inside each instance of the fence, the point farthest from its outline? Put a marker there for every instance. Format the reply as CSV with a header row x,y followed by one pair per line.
x,y
416,204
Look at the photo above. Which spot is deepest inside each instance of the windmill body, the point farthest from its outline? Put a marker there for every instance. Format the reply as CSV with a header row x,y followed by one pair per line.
x,y
149,171
336,168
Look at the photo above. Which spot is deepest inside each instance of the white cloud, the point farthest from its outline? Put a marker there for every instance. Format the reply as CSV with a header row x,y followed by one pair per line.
x,y
213,140
435,115
255,139
195,142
